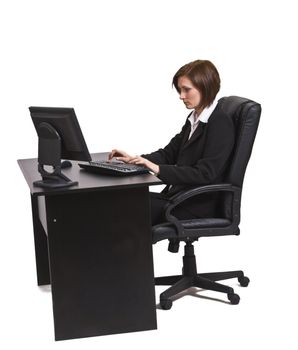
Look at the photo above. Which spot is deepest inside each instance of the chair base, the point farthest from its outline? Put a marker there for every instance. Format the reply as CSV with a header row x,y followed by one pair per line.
x,y
190,278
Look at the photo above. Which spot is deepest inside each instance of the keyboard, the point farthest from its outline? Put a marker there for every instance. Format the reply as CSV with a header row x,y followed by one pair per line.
x,y
113,168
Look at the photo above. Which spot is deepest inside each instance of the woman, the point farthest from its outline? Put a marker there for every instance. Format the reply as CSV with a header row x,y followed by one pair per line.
x,y
198,155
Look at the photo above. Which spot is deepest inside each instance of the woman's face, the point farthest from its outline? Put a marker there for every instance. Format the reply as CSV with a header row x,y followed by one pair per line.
x,y
189,94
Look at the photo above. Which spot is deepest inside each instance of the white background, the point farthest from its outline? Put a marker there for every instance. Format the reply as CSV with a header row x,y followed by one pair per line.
x,y
113,61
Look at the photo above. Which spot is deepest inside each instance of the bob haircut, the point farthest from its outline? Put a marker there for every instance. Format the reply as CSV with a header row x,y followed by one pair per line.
x,y
205,78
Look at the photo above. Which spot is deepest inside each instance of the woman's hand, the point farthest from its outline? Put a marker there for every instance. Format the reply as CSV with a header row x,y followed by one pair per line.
x,y
126,158
120,155
145,162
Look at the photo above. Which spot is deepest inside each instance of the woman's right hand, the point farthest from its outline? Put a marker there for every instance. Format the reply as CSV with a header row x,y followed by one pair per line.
x,y
120,155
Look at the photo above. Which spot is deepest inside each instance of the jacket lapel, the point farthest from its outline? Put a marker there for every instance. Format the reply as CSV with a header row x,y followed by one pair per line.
x,y
186,134
195,136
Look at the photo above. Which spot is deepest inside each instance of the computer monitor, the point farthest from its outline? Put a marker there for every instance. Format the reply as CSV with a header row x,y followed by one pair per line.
x,y
59,137
64,120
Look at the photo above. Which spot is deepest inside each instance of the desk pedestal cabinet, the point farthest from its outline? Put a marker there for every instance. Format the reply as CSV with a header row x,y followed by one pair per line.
x,y
94,248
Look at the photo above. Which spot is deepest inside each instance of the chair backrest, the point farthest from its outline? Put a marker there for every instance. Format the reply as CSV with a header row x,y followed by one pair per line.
x,y
245,115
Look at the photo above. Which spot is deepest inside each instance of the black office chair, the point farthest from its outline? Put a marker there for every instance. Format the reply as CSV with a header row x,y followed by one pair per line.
x,y
245,115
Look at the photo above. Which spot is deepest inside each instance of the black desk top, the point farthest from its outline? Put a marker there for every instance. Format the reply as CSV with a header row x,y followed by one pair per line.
x,y
87,181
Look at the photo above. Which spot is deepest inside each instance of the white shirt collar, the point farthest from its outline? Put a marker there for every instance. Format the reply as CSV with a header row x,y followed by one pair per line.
x,y
206,113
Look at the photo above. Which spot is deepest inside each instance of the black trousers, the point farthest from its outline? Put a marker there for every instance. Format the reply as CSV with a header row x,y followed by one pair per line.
x,y
158,203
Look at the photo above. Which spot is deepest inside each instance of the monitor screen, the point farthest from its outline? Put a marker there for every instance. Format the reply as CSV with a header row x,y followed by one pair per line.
x,y
64,121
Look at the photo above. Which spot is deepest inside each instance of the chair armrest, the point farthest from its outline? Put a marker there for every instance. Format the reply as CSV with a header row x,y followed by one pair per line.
x,y
183,196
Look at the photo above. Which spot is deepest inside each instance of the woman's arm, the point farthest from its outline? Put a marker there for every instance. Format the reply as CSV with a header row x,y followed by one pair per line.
x,y
168,154
217,150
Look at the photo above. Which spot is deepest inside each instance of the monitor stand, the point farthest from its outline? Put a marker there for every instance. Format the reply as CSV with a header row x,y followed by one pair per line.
x,y
49,154
53,180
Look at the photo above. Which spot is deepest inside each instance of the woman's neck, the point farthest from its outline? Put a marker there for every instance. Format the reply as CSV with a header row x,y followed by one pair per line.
x,y
198,111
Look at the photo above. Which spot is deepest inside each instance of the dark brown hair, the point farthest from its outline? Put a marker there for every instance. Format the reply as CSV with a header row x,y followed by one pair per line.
x,y
204,76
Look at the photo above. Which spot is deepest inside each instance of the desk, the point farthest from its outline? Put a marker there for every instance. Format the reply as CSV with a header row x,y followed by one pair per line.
x,y
93,245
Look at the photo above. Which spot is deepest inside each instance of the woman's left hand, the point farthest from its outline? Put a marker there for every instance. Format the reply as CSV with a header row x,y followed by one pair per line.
x,y
145,162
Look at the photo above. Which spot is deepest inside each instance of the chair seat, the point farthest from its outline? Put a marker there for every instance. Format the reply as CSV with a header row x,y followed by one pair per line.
x,y
168,231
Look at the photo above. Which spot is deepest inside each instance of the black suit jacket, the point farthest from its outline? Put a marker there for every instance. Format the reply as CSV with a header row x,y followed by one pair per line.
x,y
201,160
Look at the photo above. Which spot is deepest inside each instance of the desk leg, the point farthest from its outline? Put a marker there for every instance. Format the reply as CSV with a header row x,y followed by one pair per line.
x,y
41,246
101,262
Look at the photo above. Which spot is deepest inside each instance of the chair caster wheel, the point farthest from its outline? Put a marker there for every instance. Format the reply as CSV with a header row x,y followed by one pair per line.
x,y
166,304
234,298
244,281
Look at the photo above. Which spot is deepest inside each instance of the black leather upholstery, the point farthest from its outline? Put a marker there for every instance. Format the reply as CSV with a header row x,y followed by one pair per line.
x,y
168,231
245,115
